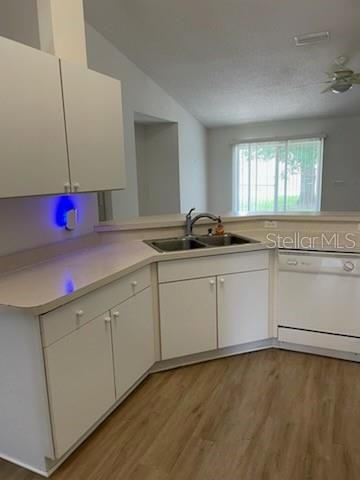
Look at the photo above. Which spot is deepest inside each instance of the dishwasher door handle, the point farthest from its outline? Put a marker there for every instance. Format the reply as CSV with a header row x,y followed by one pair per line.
x,y
292,262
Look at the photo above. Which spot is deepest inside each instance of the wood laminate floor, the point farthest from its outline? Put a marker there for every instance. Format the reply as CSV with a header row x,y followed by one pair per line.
x,y
267,415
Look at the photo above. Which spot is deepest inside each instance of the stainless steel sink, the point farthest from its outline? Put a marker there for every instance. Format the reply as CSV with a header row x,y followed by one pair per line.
x,y
175,244
191,243
224,240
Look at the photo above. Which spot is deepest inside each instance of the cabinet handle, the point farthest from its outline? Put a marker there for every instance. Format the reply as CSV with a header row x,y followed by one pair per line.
x,y
212,282
116,315
107,320
80,313
134,283
76,186
222,280
67,187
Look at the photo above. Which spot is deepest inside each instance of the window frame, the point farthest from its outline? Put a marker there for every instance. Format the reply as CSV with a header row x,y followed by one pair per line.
x,y
286,140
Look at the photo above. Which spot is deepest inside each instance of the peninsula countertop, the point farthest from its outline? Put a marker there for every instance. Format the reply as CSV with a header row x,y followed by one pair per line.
x,y
48,285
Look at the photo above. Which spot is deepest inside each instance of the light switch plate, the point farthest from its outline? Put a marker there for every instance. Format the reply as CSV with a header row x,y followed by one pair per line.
x,y
270,224
71,219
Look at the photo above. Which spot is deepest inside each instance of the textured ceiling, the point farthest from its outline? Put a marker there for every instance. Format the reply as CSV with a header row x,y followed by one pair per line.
x,y
234,61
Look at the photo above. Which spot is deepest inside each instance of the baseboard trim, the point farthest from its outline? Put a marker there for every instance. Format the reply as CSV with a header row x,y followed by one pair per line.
x,y
211,355
17,462
267,344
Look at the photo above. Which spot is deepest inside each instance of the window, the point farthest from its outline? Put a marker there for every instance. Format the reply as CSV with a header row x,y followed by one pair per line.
x,y
277,176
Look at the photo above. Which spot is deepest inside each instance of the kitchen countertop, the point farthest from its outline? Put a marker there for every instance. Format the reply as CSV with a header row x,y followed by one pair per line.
x,y
45,286
48,285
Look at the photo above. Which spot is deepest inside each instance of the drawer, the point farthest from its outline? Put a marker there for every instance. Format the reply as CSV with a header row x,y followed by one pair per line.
x,y
214,265
64,320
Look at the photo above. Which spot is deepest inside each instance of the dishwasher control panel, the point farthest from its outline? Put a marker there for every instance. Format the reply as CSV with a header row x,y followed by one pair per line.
x,y
319,262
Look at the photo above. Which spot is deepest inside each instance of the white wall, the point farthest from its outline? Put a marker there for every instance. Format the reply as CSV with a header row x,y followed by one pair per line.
x,y
157,160
29,222
341,159
18,21
142,95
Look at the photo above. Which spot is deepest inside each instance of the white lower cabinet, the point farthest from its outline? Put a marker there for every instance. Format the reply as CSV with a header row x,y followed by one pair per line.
x,y
243,308
92,360
226,309
80,381
133,340
188,317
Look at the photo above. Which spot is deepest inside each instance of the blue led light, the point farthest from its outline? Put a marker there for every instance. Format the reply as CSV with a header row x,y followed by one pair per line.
x,y
64,204
69,286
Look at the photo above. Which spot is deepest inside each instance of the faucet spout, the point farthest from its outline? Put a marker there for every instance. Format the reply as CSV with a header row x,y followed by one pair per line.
x,y
190,222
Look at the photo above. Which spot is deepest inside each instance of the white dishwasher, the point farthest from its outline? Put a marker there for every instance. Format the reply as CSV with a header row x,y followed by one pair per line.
x,y
319,299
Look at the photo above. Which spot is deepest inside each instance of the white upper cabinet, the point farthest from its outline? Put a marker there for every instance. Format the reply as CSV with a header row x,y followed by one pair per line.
x,y
94,126
61,126
32,135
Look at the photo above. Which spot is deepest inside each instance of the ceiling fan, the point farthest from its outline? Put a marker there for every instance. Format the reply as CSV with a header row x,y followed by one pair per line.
x,y
342,78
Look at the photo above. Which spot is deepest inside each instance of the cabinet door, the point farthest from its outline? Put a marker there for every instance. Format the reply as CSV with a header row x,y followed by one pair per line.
x,y
80,381
243,308
188,317
133,340
32,131
94,124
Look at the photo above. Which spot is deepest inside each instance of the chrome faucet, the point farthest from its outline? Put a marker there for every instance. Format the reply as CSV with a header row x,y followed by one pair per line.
x,y
191,221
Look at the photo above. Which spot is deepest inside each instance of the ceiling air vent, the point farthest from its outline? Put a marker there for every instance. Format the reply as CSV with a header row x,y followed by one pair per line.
x,y
311,38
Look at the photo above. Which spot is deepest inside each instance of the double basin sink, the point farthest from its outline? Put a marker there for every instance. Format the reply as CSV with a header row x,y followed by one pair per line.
x,y
191,243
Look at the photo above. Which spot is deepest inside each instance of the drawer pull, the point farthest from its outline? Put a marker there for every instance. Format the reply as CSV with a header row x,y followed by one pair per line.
x,y
80,313
134,283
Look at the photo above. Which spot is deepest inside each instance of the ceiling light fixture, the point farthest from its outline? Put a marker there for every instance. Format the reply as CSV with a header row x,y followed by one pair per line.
x,y
311,38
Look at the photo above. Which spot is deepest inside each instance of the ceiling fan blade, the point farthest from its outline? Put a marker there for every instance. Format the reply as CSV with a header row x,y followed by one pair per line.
x,y
356,78
328,89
